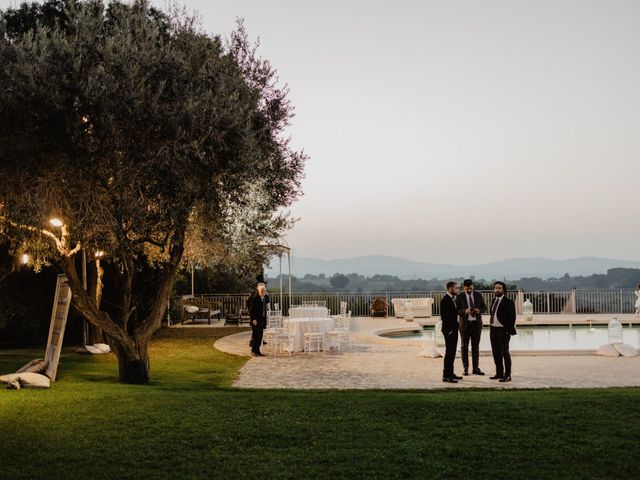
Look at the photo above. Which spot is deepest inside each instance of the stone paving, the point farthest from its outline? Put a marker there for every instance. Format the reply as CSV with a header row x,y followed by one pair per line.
x,y
389,365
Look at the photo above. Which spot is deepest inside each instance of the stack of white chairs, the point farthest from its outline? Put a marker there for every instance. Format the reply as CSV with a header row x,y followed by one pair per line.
x,y
314,338
270,334
277,334
286,340
343,310
341,332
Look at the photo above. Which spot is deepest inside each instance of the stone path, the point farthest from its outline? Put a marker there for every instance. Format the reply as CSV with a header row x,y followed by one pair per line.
x,y
388,365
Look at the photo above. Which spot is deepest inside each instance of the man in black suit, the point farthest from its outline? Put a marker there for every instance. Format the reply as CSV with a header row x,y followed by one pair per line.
x,y
258,305
449,317
471,306
502,326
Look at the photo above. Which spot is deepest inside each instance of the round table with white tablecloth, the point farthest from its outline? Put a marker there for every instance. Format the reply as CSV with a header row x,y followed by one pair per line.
x,y
297,326
299,312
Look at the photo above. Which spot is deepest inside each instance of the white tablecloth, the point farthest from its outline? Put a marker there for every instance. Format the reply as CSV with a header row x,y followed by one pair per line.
x,y
299,312
298,327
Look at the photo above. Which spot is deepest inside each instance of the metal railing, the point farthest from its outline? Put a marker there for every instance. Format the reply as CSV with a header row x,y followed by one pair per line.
x,y
359,303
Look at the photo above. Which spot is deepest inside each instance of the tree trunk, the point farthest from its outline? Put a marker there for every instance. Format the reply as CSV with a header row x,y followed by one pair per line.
x,y
131,348
133,364
95,335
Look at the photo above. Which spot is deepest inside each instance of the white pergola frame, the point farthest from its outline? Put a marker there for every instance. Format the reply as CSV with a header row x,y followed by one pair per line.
x,y
281,248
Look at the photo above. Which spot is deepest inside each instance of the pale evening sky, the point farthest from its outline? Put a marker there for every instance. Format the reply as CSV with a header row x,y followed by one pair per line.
x,y
457,131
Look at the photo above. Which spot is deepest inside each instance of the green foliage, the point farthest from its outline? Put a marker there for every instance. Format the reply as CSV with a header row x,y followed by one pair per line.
x,y
615,278
126,122
339,281
188,424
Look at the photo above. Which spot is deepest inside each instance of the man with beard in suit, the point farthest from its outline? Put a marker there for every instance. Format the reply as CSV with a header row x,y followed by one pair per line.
x,y
449,317
471,306
502,326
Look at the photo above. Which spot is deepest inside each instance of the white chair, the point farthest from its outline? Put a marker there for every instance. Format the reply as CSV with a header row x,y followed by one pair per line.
x,y
277,334
272,332
343,310
285,341
314,338
341,332
275,310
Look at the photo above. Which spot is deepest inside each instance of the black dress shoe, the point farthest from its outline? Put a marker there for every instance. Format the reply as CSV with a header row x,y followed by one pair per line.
x,y
477,371
260,354
449,380
496,377
254,354
466,372
456,377
506,378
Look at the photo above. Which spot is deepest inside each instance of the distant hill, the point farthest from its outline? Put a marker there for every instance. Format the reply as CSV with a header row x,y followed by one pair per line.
x,y
511,269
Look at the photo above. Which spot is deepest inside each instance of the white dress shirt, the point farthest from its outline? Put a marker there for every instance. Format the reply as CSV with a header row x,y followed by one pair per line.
x,y
496,323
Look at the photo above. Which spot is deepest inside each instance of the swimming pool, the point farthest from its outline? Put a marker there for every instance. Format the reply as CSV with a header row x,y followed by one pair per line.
x,y
540,337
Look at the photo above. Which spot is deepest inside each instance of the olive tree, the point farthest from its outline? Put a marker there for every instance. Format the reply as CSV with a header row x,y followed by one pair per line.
x,y
132,135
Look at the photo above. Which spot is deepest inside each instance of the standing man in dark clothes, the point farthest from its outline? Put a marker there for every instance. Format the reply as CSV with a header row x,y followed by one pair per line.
x,y
449,317
471,306
258,305
502,325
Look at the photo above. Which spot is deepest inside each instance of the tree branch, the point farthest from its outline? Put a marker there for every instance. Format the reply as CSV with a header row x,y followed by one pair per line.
x,y
153,321
87,308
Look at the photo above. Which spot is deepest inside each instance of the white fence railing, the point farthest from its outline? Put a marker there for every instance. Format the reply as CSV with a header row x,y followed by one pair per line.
x,y
568,302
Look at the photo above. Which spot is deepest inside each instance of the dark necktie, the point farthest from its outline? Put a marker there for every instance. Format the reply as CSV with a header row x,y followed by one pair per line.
x,y
471,303
493,309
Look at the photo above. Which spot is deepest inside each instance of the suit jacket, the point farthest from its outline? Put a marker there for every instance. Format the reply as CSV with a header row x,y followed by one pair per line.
x,y
506,314
258,309
478,301
449,314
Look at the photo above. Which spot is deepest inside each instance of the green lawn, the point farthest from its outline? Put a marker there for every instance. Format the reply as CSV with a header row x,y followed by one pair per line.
x,y
189,423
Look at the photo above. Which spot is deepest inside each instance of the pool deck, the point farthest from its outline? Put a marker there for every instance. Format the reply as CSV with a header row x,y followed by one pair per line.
x,y
387,363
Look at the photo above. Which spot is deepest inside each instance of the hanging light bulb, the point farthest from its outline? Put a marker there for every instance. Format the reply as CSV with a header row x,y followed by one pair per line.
x,y
24,258
56,222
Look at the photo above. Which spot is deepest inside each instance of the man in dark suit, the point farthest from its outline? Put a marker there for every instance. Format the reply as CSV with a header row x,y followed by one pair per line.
x,y
449,317
258,305
471,306
502,326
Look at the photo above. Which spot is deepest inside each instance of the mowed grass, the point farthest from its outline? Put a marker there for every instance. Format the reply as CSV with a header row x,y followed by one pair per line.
x,y
190,424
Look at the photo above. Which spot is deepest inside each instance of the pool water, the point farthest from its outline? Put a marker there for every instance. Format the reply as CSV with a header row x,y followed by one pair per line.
x,y
543,337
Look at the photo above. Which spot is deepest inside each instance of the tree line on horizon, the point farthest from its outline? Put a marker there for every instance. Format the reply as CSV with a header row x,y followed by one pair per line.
x,y
615,278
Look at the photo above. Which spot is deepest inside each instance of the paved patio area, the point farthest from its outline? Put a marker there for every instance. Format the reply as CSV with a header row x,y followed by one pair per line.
x,y
379,363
